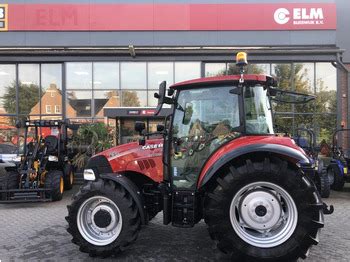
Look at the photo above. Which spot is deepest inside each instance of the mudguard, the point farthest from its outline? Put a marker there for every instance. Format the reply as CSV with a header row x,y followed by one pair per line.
x,y
132,189
253,148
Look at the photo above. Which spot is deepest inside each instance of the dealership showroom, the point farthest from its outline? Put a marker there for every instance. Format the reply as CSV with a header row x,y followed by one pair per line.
x,y
90,61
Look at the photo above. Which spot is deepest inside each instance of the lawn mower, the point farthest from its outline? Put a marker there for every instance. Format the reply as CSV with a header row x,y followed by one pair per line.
x,y
43,171
338,167
319,176
219,160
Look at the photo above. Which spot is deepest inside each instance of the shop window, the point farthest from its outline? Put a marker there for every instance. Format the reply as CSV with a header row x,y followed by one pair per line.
x,y
51,84
29,89
159,72
78,104
187,71
79,75
7,90
108,98
133,75
152,101
215,69
134,98
326,88
106,75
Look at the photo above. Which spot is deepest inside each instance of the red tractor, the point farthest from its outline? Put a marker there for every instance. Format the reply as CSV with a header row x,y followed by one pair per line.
x,y
219,161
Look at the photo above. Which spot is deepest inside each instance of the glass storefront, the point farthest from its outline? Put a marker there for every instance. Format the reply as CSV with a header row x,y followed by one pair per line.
x,y
39,89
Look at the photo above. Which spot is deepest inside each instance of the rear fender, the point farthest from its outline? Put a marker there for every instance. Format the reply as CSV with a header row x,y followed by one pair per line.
x,y
132,189
288,152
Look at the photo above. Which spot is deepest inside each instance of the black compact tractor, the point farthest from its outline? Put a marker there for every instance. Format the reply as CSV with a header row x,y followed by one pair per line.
x,y
338,167
306,139
43,170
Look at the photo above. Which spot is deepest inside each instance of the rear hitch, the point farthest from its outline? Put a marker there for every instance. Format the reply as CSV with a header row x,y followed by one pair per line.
x,y
328,210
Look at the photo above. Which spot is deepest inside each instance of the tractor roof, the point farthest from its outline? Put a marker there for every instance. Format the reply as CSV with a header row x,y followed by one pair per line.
x,y
221,80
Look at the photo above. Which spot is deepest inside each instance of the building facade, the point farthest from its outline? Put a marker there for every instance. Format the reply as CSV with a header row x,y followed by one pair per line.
x,y
74,59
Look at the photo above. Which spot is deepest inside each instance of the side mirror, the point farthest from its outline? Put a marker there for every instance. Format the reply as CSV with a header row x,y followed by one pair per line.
x,y
140,126
160,96
188,113
160,128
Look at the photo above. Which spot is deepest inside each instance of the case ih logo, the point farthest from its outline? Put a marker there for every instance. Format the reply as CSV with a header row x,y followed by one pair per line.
x,y
299,16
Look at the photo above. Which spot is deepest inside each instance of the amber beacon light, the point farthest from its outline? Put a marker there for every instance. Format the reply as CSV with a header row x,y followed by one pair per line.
x,y
241,59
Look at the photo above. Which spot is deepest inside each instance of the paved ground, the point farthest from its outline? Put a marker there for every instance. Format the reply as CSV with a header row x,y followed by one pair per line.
x,y
38,232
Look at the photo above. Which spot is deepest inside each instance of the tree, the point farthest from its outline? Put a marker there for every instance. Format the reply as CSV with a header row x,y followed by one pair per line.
x,y
130,98
28,97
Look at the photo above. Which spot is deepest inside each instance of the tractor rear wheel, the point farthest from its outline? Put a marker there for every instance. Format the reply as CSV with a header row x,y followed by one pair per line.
x,y
68,176
103,218
54,180
336,178
264,210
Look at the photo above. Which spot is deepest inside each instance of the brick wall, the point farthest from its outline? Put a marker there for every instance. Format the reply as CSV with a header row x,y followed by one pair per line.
x,y
343,77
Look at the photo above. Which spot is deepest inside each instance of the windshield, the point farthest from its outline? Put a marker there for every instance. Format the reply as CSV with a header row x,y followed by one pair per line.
x,y
258,115
204,119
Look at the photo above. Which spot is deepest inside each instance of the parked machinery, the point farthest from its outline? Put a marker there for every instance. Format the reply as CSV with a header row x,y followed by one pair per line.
x,y
319,176
43,171
338,167
219,161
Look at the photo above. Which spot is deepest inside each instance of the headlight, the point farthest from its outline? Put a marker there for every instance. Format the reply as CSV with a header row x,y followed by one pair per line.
x,y
53,158
89,174
17,159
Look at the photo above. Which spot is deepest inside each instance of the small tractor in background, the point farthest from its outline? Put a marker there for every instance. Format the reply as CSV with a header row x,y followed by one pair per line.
x,y
338,167
219,160
43,171
308,143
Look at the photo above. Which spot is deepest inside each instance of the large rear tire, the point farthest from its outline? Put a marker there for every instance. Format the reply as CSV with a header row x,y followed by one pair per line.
x,y
264,210
103,218
54,180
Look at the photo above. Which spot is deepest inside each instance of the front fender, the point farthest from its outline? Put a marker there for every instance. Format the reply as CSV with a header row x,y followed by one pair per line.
x,y
132,189
207,173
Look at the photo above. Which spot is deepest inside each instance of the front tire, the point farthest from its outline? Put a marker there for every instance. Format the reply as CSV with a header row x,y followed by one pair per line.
x,y
322,183
54,180
246,222
68,176
336,177
10,180
103,218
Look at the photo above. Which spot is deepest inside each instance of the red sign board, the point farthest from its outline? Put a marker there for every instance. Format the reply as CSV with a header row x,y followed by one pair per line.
x,y
170,17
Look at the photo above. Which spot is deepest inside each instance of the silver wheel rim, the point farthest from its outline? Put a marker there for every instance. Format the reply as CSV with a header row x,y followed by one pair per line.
x,y
263,214
90,231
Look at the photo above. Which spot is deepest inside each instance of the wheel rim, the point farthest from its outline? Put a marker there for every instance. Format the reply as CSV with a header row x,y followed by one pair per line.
x,y
331,175
71,178
99,220
61,185
263,214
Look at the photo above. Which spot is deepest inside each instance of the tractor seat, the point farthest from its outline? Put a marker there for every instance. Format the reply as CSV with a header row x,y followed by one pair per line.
x,y
51,142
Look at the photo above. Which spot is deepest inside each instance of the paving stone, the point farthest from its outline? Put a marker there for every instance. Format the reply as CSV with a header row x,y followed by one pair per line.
x,y
32,232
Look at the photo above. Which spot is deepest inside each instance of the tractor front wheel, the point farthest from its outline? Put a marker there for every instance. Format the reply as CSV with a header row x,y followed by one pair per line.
x,y
264,210
322,183
68,176
54,180
336,178
103,218
10,180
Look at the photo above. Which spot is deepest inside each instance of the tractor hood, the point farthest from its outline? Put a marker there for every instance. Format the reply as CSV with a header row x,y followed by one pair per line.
x,y
132,157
